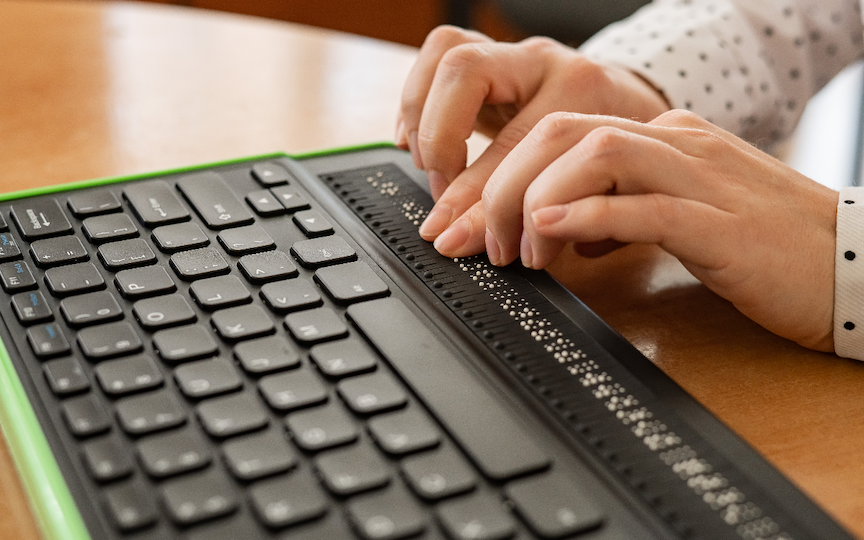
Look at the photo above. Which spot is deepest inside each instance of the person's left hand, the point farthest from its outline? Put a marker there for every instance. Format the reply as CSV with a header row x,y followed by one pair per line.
x,y
752,229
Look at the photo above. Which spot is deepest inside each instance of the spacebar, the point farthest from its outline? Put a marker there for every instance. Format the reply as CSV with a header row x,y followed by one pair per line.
x,y
485,428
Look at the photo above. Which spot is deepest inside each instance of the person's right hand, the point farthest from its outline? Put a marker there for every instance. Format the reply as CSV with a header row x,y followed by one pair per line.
x,y
463,81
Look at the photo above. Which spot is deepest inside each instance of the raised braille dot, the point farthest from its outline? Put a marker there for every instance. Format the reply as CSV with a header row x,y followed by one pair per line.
x,y
848,325
850,255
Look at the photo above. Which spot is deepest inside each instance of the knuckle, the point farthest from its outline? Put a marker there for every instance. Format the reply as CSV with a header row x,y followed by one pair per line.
x,y
444,37
605,142
681,118
555,126
540,44
463,60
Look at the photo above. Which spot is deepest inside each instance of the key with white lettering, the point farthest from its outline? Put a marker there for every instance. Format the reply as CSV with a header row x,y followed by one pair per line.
x,y
40,218
214,201
155,203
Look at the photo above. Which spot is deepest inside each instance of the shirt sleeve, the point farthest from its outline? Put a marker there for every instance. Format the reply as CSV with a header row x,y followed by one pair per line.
x,y
849,275
748,66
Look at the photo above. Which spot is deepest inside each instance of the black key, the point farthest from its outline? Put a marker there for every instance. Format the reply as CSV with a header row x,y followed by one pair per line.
x,y
258,455
47,340
350,470
155,203
16,276
74,279
57,251
130,505
553,505
270,174
206,378
126,254
265,355
220,292
142,282
199,263
174,452
402,432
372,393
322,427
191,499
291,199
91,308
40,218
85,415
243,240
231,415
179,237
351,282
150,412
344,357
323,251
292,390
3,225
289,499
290,295
106,459
242,322
390,514
477,517
107,340
265,203
92,203
66,376
185,343
312,223
232,527
496,440
163,311
315,325
9,250
128,375
267,266
439,474
99,229
214,201
31,308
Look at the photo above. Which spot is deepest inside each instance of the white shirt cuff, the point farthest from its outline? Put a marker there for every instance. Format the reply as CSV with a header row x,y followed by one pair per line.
x,y
849,275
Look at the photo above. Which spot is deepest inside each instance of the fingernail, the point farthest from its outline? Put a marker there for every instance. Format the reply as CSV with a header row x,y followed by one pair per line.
x,y
437,184
451,239
549,215
415,152
493,250
525,251
437,220
401,141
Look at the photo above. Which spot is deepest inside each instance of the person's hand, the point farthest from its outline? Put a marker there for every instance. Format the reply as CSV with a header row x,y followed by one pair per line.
x,y
463,81
752,229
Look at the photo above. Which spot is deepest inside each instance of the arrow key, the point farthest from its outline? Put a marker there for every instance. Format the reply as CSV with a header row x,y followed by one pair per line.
x,y
265,203
312,223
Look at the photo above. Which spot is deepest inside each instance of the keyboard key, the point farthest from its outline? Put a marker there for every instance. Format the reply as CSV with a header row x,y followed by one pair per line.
x,y
291,199
292,390
74,279
40,218
85,415
265,203
92,203
353,469
16,276
206,378
270,174
372,393
150,412
128,375
258,455
91,308
9,249
31,308
243,240
155,203
185,343
439,474
57,251
203,496
403,432
389,514
322,427
163,311
323,251
174,452
3,225
214,201
477,517
130,505
199,263
66,376
553,505
108,340
220,292
242,322
312,223
142,282
344,357
109,228
179,237
351,282
265,355
231,415
106,459
126,254
289,499
47,340
267,266
290,295
315,325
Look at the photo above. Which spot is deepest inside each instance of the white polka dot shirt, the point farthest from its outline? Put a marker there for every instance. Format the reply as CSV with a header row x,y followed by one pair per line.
x,y
749,66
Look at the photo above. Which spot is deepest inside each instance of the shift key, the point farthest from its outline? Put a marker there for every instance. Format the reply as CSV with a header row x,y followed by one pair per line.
x,y
214,201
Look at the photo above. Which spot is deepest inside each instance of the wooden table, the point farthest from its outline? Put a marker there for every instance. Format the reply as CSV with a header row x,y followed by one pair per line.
x,y
91,90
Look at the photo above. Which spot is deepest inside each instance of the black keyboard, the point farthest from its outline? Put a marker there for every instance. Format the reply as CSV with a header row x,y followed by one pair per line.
x,y
267,349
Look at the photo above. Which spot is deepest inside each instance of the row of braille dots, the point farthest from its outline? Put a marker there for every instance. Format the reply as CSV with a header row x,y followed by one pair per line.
x,y
385,187
850,256
485,277
413,212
